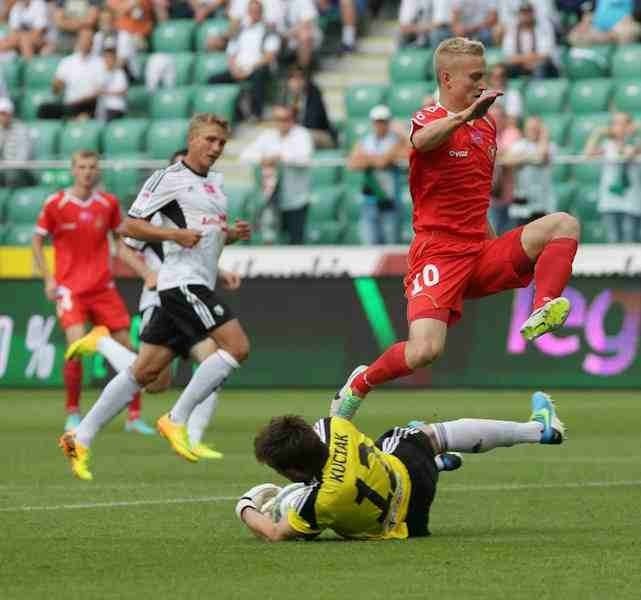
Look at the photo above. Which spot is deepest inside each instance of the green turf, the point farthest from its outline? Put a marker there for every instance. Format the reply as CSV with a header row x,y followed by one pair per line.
x,y
527,522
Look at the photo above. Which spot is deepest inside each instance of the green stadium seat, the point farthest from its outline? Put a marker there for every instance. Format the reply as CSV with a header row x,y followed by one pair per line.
x,y
173,36
209,64
39,71
590,95
55,178
123,181
411,64
4,199
327,232
327,174
565,195
25,203
350,209
3,231
166,136
355,129
588,173
627,96
626,62
209,28
171,103
582,63
359,99
594,232
352,235
582,127
404,99
124,136
585,204
12,73
18,235
138,101
561,173
31,101
220,99
80,135
184,62
324,204
237,201
45,136
557,126
543,96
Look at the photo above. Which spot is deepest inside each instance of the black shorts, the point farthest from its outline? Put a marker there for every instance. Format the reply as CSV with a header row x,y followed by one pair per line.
x,y
412,447
185,317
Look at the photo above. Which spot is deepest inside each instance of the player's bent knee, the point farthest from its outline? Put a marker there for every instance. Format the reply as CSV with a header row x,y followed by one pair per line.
x,y
145,375
567,226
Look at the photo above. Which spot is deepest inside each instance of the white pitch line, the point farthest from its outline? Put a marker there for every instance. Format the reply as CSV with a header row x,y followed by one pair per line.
x,y
445,489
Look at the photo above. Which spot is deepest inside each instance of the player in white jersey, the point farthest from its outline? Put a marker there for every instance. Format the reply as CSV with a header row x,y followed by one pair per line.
x,y
193,231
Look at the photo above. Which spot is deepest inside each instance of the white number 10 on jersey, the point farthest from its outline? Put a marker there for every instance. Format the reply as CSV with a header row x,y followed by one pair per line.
x,y
430,277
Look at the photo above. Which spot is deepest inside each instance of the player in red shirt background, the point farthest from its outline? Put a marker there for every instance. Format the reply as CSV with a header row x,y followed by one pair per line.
x,y
79,221
455,254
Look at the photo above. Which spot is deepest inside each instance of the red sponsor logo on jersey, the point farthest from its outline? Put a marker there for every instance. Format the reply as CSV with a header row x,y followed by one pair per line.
x,y
213,220
210,188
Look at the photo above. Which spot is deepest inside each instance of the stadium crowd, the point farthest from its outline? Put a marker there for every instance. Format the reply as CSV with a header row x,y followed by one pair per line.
x,y
99,62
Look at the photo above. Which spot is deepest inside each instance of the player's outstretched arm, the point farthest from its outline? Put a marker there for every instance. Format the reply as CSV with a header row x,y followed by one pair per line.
x,y
240,231
142,230
263,527
133,260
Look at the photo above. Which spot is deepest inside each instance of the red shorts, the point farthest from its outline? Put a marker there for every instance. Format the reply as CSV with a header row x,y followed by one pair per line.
x,y
444,270
101,307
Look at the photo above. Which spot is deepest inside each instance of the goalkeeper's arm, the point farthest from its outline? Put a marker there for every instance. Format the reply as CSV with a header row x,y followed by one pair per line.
x,y
263,527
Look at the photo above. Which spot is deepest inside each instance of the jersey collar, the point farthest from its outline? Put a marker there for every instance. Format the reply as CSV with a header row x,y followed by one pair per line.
x,y
184,164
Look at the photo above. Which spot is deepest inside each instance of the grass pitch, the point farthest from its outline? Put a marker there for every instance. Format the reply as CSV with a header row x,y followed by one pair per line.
x,y
526,522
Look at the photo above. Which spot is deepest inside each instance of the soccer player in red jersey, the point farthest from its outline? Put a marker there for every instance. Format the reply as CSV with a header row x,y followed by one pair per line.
x,y
79,221
455,254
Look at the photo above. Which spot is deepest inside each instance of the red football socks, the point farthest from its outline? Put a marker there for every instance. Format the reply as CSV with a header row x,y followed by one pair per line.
x,y
388,366
72,375
134,407
553,270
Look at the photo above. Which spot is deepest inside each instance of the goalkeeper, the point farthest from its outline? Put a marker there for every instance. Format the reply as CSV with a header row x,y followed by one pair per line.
x,y
366,490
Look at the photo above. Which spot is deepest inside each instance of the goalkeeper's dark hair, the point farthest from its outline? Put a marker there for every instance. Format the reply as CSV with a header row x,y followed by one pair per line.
x,y
289,442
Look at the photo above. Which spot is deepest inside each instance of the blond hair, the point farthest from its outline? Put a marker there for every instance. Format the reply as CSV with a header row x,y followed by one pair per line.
x,y
201,120
80,154
454,47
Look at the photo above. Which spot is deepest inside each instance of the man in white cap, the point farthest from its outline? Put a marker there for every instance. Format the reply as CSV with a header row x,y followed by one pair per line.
x,y
377,154
15,143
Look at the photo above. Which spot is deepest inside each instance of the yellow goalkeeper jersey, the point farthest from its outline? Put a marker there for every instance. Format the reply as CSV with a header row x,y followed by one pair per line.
x,y
364,493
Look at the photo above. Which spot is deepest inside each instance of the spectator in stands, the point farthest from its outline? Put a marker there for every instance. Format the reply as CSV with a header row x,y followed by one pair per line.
x,y
300,30
238,14
71,17
188,9
15,144
349,11
530,46
112,102
620,186
134,21
251,56
474,19
377,155
79,77
612,22
442,15
507,133
284,154
415,19
508,15
530,157
306,98
29,27
511,100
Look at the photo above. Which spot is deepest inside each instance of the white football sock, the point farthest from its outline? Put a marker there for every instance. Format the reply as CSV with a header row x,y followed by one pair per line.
x,y
348,35
200,418
119,357
115,396
482,435
208,377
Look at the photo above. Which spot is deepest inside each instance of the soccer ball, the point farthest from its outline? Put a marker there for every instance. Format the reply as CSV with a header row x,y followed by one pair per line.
x,y
279,505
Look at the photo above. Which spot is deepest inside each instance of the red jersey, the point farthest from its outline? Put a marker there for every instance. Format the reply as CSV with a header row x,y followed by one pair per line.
x,y
80,241
451,184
